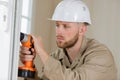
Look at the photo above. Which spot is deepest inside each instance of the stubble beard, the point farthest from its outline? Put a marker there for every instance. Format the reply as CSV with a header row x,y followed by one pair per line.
x,y
68,44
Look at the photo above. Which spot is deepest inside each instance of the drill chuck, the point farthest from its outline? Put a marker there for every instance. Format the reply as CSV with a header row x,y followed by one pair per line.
x,y
23,37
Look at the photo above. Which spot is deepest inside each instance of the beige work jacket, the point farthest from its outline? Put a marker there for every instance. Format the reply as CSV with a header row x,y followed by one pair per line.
x,y
94,62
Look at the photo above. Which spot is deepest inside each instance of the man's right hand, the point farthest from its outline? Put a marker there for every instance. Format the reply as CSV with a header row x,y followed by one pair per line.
x,y
25,54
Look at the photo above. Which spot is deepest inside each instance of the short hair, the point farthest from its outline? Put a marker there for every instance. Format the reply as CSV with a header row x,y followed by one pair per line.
x,y
86,24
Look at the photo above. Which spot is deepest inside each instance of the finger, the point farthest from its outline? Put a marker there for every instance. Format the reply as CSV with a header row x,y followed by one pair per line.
x,y
24,48
33,52
24,52
24,58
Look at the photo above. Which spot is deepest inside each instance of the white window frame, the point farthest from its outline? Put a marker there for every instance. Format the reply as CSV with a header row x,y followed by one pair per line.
x,y
12,36
15,22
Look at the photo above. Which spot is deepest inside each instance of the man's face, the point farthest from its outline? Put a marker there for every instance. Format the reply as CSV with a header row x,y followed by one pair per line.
x,y
67,34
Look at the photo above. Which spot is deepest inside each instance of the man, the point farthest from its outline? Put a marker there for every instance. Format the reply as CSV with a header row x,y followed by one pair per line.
x,y
77,58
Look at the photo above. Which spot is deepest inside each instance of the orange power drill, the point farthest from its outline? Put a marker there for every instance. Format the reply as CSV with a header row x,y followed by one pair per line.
x,y
27,71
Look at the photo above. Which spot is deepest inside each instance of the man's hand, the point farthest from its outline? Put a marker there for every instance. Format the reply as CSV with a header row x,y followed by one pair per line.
x,y
39,49
25,54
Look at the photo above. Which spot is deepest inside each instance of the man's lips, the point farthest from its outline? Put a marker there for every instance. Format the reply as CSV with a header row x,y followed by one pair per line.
x,y
59,38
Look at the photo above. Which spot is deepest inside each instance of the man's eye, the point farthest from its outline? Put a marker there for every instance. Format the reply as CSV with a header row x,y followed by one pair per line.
x,y
57,26
66,26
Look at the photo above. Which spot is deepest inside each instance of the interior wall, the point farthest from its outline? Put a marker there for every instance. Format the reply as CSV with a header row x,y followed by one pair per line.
x,y
42,10
105,25
41,26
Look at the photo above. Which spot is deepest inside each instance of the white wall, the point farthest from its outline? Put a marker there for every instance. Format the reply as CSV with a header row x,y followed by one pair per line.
x,y
4,40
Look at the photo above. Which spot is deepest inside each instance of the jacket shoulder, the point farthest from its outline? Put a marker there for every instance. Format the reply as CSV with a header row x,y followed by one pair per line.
x,y
98,53
95,45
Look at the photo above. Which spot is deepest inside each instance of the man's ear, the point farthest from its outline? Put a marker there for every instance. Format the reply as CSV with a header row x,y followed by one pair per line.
x,y
82,29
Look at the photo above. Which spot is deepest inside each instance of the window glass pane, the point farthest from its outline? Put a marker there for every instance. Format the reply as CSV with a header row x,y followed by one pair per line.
x,y
25,7
24,25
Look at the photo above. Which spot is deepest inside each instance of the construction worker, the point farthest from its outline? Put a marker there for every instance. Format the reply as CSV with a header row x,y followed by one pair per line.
x,y
77,57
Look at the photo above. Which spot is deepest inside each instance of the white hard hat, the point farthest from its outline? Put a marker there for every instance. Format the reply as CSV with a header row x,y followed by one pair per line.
x,y
72,11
